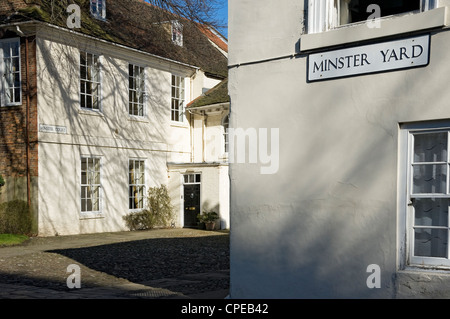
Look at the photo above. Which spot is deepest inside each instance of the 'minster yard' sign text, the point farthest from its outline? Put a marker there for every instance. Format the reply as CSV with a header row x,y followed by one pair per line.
x,y
392,55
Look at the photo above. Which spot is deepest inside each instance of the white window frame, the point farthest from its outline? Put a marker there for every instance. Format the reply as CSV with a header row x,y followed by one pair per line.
x,y
85,185
407,213
85,82
179,99
192,179
132,89
226,136
4,87
132,182
98,9
324,15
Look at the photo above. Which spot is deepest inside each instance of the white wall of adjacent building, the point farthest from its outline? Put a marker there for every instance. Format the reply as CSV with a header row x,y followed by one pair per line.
x,y
336,204
112,134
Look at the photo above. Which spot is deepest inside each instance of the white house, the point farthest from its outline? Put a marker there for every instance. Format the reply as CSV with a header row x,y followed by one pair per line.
x,y
104,104
358,207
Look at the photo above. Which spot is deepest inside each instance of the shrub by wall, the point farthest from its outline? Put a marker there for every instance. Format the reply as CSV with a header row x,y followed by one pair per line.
x,y
158,211
15,217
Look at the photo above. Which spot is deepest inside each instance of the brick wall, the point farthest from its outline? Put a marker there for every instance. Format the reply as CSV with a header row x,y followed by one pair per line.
x,y
13,120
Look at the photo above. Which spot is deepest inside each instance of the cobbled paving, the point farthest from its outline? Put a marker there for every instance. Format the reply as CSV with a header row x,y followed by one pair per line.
x,y
183,261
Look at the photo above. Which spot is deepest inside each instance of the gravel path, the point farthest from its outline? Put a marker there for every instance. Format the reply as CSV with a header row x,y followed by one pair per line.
x,y
186,261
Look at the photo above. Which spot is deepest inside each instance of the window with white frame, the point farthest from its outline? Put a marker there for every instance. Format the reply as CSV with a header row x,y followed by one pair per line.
x,y
90,184
177,107
225,124
324,15
427,211
136,179
193,178
136,90
90,81
98,9
10,83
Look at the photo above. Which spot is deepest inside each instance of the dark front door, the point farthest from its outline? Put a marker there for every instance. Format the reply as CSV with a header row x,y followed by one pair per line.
x,y
191,204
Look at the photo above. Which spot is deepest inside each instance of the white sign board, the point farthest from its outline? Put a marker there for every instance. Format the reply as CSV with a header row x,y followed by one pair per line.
x,y
379,57
52,129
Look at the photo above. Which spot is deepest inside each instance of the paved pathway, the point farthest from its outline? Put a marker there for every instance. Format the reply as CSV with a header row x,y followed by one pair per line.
x,y
109,287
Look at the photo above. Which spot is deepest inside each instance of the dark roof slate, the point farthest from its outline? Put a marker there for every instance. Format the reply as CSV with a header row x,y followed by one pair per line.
x,y
131,23
216,95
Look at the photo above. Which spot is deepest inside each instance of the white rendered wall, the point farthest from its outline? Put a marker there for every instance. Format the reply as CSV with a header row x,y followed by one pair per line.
x,y
311,229
111,134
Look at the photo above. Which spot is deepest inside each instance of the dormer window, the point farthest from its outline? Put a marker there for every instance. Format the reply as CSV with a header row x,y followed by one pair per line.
x,y
177,33
98,9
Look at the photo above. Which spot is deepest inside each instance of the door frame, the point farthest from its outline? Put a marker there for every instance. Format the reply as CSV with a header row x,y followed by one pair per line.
x,y
183,183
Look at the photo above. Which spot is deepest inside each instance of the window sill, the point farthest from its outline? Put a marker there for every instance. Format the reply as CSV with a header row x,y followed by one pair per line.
x,y
91,215
135,118
179,124
10,106
90,112
425,269
389,26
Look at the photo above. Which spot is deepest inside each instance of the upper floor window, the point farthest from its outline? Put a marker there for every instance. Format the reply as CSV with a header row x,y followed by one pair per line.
x,y
10,83
90,84
136,90
324,15
98,9
177,33
177,107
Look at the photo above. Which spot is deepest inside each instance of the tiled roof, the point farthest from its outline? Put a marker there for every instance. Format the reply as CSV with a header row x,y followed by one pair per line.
x,y
216,95
132,23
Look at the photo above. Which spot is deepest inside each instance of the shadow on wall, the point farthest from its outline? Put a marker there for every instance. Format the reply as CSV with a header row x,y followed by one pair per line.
x,y
87,134
312,230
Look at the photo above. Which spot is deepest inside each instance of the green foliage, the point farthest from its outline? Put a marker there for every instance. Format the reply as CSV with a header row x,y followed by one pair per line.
x,y
140,220
15,217
10,239
208,217
158,212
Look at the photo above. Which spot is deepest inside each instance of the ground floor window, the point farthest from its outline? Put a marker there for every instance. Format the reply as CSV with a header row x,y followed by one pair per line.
x,y
90,184
136,179
427,206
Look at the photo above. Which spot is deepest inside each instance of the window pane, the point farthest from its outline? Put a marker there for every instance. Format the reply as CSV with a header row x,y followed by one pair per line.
x,y
88,205
431,212
356,10
7,50
83,164
16,95
430,147
429,179
430,242
130,70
